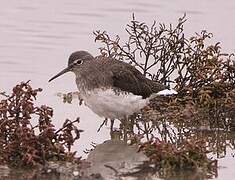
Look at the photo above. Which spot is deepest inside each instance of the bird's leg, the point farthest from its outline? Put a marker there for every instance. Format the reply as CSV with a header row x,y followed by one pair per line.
x,y
103,123
131,125
125,124
115,135
111,125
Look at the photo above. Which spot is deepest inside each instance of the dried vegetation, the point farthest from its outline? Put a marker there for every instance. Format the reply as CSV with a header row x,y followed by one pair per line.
x,y
180,130
27,134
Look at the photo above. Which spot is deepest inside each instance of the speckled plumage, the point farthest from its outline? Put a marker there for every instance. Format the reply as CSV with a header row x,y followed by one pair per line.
x,y
111,88
103,72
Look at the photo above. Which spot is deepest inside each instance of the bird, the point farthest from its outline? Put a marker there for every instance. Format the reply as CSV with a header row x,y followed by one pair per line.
x,y
110,88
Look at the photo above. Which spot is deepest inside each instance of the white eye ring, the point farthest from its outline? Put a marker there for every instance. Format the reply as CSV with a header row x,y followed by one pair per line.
x,y
78,61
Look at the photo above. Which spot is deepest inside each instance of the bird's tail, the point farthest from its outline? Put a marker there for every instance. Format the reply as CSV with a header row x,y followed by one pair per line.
x,y
165,92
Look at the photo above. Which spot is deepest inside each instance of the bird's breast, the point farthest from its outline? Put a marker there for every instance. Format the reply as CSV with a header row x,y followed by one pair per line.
x,y
92,80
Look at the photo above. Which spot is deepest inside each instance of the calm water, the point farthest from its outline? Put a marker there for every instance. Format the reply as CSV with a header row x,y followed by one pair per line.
x,y
36,38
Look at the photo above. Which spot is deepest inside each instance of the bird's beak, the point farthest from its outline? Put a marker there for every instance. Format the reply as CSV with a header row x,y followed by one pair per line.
x,y
60,73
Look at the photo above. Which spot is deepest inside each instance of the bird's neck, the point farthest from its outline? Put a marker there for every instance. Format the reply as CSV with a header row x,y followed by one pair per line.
x,y
91,79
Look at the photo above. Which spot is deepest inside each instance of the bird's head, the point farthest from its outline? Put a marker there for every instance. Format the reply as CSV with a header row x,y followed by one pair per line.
x,y
76,61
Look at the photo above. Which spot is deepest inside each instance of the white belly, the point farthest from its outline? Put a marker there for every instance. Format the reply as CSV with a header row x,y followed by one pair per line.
x,y
106,103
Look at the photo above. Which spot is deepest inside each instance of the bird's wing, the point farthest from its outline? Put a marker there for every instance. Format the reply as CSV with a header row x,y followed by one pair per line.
x,y
127,78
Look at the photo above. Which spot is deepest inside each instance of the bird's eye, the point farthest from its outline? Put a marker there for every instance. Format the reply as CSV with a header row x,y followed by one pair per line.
x,y
78,61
